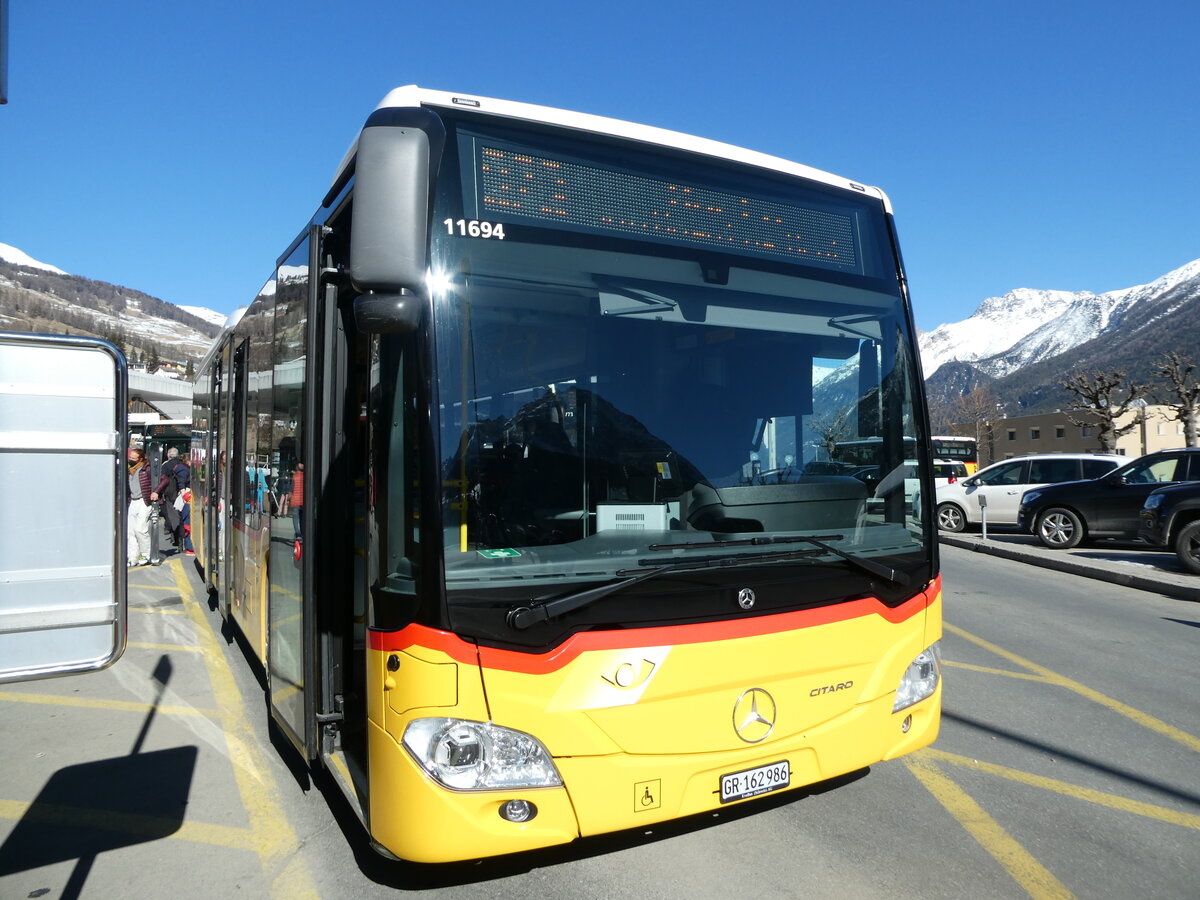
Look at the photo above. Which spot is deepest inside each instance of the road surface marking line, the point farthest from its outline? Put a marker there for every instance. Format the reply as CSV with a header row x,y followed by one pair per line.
x,y
155,611
115,705
986,670
1016,860
1099,798
169,648
226,836
271,836
1146,721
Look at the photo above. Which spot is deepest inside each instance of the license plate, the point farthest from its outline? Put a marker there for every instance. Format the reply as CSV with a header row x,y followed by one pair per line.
x,y
752,782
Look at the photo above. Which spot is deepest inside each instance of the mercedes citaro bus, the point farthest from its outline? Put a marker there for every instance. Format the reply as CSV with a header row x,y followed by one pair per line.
x,y
510,476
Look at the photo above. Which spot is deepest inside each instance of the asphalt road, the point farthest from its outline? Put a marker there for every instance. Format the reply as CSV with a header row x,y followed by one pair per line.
x,y
1068,765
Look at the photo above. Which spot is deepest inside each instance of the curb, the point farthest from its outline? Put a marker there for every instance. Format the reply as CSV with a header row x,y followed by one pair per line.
x,y
1072,566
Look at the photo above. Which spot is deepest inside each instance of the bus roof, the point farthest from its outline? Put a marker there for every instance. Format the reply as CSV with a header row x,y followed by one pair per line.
x,y
412,95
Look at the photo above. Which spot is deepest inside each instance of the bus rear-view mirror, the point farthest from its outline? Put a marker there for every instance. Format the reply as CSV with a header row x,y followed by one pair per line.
x,y
398,153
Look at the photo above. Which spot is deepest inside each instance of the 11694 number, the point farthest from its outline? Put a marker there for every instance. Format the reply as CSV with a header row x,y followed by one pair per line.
x,y
474,228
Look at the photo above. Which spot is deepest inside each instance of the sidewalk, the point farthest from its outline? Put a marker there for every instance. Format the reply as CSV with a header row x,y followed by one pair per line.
x,y
153,777
1126,563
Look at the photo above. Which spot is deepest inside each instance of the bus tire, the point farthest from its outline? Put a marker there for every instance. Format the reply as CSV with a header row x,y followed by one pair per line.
x,y
1187,547
1060,528
950,517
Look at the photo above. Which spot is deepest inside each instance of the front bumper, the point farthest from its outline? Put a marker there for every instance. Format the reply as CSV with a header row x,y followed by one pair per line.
x,y
415,819
1152,528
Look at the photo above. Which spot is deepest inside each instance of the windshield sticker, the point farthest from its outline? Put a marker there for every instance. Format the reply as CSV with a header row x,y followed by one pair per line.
x,y
500,553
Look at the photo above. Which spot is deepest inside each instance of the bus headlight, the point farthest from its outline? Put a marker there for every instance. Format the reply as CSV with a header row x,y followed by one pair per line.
x,y
920,679
477,756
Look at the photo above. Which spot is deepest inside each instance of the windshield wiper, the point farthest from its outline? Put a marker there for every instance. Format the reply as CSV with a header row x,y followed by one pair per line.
x,y
544,609
861,562
650,302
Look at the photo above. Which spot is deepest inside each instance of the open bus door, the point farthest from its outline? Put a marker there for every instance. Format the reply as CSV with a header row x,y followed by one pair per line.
x,y
62,539
291,662
312,548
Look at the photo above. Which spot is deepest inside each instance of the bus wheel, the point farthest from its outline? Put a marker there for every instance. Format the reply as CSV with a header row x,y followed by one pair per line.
x,y
1187,547
950,517
1059,529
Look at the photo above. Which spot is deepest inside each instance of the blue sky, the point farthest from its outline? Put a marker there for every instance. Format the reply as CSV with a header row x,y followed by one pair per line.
x,y
177,148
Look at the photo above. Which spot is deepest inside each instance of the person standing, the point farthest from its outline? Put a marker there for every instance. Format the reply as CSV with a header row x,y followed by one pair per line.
x,y
140,497
296,501
166,492
183,478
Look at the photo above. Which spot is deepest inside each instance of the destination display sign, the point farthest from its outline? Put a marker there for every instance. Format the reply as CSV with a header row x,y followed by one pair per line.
x,y
522,185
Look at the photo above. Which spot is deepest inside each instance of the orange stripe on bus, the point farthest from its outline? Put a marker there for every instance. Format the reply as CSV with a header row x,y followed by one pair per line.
x,y
670,635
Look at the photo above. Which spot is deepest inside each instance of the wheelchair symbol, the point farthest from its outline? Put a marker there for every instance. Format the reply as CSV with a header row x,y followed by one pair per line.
x,y
647,795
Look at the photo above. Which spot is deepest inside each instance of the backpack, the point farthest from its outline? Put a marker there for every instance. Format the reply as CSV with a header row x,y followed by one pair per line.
x,y
174,483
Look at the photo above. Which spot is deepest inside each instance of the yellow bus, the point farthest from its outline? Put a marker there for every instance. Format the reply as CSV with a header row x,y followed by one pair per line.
x,y
958,448
507,475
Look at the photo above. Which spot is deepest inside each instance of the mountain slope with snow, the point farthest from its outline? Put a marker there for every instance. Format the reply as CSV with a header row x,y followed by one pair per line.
x,y
36,296
208,315
1128,330
1026,326
10,254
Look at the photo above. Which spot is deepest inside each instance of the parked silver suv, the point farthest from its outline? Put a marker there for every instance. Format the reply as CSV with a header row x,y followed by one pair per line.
x,y
1003,483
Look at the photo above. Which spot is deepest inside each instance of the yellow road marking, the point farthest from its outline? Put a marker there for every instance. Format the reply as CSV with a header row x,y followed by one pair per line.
x,y
226,836
287,619
1050,677
169,648
99,703
154,610
271,836
1146,810
988,670
1016,860
284,693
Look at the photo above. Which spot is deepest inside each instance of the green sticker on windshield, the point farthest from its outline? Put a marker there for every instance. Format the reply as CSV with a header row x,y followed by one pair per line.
x,y
501,553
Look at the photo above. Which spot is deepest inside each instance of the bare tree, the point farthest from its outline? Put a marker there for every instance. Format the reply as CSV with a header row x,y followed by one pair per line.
x,y
834,429
976,412
1095,394
1177,370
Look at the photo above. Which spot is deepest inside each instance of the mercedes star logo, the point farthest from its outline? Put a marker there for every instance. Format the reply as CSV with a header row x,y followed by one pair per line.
x,y
746,598
754,715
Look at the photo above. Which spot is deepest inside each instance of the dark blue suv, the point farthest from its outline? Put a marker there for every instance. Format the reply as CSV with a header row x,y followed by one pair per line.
x,y
1063,515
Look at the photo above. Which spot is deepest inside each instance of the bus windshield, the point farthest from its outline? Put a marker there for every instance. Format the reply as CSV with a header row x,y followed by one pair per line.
x,y
617,382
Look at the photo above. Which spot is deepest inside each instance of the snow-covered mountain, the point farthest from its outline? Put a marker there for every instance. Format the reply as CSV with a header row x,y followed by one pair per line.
x,y
1027,326
18,257
37,296
208,315
11,254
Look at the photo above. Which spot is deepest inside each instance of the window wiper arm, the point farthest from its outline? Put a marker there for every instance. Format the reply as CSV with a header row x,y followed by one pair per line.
x,y
861,562
649,302
544,609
